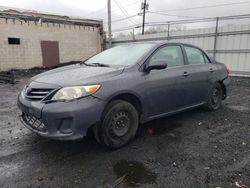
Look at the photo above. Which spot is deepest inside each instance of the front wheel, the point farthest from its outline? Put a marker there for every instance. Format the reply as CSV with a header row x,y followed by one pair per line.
x,y
214,98
119,124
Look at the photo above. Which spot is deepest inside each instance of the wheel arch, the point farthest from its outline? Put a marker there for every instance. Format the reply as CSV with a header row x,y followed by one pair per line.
x,y
129,97
224,90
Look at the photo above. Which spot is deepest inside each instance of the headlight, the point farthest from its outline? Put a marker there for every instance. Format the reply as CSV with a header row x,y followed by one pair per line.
x,y
69,93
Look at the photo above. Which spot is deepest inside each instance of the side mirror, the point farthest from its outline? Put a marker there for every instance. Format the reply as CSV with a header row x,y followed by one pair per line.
x,y
156,65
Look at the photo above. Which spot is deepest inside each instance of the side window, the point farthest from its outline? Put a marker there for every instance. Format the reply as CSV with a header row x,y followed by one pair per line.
x,y
171,54
194,56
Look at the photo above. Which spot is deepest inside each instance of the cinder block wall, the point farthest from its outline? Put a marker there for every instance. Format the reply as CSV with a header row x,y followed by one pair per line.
x,y
75,43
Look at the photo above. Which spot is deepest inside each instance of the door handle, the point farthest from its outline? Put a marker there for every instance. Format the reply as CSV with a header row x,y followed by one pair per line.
x,y
185,74
211,69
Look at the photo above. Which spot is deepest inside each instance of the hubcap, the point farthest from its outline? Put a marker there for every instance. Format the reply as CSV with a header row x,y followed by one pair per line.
x,y
120,124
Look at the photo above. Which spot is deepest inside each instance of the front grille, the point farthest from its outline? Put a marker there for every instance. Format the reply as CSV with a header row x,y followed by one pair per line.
x,y
35,94
34,123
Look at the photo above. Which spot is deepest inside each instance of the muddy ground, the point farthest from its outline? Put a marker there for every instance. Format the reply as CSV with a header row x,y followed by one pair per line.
x,y
191,149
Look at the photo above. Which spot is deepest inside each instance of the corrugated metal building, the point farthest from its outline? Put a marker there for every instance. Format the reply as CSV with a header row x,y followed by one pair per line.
x,y
31,39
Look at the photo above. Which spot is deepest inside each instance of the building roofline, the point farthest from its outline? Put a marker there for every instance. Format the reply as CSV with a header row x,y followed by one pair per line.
x,y
28,15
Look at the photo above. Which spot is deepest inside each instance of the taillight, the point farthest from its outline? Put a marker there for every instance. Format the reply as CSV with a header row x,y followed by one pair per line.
x,y
228,70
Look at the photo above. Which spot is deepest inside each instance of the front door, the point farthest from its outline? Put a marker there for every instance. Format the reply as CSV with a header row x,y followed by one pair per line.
x,y
162,86
50,53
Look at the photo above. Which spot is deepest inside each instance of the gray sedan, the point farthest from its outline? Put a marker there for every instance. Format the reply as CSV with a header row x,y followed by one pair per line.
x,y
115,90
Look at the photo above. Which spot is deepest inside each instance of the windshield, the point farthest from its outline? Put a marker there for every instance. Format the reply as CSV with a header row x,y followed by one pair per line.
x,y
121,55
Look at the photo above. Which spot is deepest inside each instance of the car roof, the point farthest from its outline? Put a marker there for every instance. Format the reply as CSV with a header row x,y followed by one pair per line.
x,y
159,43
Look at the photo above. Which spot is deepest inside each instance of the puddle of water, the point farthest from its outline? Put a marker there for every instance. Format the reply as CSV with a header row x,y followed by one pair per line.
x,y
238,108
135,173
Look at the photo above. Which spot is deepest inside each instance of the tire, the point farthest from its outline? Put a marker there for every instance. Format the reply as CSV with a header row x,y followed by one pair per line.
x,y
119,125
214,98
97,133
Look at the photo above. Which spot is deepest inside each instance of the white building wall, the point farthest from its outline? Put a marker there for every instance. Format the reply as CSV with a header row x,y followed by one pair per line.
x,y
75,43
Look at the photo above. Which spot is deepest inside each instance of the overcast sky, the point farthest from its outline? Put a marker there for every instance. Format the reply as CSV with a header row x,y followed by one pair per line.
x,y
122,8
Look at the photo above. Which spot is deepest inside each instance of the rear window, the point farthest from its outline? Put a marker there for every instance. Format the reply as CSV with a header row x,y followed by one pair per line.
x,y
194,56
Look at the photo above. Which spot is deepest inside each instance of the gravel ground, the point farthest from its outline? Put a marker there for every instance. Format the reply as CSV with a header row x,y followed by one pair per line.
x,y
191,149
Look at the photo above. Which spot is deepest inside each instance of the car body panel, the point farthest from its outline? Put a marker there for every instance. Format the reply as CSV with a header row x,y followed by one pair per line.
x,y
66,121
160,92
78,74
162,88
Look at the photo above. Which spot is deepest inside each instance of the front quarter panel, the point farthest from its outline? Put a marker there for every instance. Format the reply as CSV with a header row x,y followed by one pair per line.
x,y
129,82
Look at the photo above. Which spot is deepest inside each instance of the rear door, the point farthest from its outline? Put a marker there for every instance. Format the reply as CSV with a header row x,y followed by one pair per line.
x,y
200,75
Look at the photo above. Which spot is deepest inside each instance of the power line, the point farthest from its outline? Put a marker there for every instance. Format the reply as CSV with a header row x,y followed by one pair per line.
x,y
104,9
115,10
172,15
122,19
184,21
181,16
127,16
202,7
198,18
174,10
191,8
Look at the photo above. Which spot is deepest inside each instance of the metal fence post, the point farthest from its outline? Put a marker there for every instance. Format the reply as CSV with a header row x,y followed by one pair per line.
x,y
133,34
168,31
215,37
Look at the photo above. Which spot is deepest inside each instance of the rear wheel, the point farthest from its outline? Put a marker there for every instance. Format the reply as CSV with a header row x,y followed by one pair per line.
x,y
215,98
119,124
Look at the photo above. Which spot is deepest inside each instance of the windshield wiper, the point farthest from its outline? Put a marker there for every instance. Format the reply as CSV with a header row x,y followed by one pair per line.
x,y
97,64
83,63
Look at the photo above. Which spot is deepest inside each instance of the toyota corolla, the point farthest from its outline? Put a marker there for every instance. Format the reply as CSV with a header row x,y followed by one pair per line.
x,y
115,90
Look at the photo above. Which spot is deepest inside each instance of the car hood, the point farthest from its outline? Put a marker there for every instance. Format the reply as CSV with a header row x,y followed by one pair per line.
x,y
77,75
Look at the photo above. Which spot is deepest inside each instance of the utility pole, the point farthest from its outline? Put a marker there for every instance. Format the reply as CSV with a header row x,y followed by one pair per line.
x,y
109,24
144,10
144,7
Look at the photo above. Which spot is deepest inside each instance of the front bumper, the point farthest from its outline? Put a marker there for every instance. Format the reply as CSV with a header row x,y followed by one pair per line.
x,y
61,120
